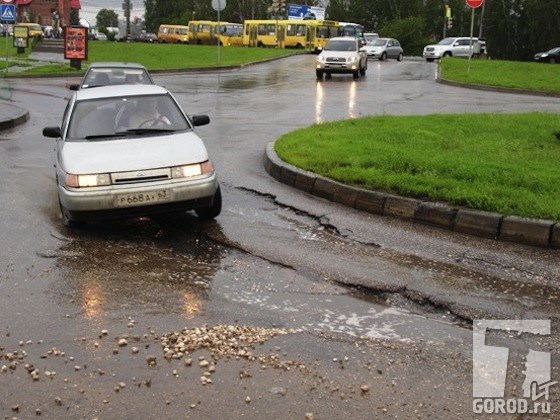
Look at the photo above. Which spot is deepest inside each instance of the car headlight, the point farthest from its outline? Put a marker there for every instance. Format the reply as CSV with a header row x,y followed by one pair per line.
x,y
352,59
80,181
188,171
544,55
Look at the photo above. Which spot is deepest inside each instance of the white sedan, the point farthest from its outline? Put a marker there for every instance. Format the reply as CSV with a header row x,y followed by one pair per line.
x,y
130,150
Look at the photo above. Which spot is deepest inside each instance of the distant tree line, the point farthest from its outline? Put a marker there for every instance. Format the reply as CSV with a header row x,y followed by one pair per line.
x,y
513,29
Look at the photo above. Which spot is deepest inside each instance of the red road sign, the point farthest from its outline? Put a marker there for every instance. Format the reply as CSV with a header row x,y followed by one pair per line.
x,y
474,3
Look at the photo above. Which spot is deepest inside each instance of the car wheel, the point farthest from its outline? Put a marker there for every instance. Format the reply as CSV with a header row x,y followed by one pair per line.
x,y
447,54
208,213
319,74
552,61
363,71
400,57
67,218
328,75
356,74
383,57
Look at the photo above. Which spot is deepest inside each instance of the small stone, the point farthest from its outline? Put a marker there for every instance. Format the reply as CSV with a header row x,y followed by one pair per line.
x,y
364,388
123,342
248,399
203,363
135,350
58,401
188,362
309,416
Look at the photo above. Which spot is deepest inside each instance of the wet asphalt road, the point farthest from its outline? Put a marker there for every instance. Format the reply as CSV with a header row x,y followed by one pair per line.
x,y
364,301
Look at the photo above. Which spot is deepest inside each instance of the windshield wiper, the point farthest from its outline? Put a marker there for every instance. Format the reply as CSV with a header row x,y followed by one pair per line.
x,y
100,136
147,130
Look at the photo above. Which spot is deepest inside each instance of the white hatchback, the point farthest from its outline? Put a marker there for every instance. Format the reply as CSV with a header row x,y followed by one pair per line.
x,y
130,150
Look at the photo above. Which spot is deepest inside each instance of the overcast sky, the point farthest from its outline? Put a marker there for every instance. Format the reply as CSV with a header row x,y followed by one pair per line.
x,y
90,8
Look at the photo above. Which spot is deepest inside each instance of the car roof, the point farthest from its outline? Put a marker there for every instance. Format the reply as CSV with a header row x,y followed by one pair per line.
x,y
112,91
116,64
343,38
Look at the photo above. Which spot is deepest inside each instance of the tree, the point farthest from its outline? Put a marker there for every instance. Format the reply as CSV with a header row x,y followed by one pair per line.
x,y
106,18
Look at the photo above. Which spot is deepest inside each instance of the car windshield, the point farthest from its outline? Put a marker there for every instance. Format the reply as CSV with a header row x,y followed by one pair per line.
x,y
116,76
446,41
554,50
379,42
341,45
123,116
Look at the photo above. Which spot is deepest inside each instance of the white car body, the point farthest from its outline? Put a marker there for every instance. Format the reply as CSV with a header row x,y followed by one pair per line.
x,y
342,55
452,47
108,166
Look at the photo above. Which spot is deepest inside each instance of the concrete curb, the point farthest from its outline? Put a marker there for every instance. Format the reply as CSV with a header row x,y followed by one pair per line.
x,y
535,232
12,116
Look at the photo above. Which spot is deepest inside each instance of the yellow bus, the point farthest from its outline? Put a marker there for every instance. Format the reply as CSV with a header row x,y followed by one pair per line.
x,y
229,34
309,34
208,32
172,34
201,32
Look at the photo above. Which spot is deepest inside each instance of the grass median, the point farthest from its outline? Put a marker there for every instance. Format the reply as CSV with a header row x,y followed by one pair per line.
x,y
158,56
503,163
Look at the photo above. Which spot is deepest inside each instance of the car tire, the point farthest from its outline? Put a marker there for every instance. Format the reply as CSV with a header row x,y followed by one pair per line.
x,y
363,71
383,57
67,220
400,57
447,54
552,61
208,213
328,75
319,74
356,74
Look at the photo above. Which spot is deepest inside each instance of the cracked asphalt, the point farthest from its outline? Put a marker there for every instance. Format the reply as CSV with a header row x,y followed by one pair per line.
x,y
378,310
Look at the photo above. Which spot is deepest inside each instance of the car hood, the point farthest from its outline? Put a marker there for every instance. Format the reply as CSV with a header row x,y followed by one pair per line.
x,y
131,154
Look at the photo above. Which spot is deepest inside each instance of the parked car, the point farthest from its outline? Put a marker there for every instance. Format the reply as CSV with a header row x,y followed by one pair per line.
x,y
452,47
110,163
145,37
370,36
551,56
104,73
342,55
384,48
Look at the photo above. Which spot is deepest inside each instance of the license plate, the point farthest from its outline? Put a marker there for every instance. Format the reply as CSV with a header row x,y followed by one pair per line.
x,y
142,199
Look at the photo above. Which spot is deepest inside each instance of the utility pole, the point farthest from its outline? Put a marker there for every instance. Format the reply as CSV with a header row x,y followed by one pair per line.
x,y
127,16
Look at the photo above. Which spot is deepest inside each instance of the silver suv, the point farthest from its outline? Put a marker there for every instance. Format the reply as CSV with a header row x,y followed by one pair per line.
x,y
452,47
342,55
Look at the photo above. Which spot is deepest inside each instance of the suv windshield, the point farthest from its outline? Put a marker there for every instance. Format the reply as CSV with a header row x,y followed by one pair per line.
x,y
341,45
446,41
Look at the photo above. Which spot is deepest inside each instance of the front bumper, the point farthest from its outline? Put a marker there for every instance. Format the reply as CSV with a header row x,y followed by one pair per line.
x,y
101,202
347,67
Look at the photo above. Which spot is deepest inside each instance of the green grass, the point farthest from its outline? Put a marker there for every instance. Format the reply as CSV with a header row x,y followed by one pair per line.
x,y
505,74
503,163
163,56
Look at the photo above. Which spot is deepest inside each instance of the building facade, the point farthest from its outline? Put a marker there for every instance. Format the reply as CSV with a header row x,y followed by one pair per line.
x,y
55,13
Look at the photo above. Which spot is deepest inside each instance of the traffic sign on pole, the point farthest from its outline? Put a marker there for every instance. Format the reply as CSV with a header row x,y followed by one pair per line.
x,y
474,3
8,13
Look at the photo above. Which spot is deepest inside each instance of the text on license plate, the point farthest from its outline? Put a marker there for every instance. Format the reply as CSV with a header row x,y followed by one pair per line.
x,y
142,199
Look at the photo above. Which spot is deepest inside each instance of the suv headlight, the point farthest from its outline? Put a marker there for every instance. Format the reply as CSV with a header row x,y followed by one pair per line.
x,y
352,59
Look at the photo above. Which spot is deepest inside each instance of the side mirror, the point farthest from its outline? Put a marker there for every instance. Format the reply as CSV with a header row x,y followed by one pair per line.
x,y
52,132
74,86
200,120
